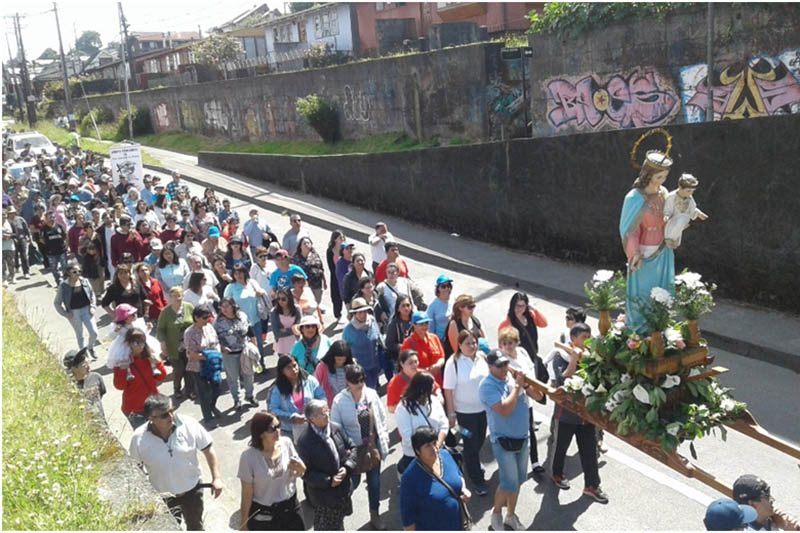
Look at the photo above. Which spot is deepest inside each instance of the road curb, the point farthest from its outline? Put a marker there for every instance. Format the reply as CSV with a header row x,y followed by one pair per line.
x,y
724,342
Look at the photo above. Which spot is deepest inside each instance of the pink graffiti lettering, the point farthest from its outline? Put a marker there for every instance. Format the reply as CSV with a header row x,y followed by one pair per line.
x,y
634,102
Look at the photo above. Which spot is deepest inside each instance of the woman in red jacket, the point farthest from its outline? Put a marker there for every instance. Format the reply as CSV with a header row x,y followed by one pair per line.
x,y
154,296
144,382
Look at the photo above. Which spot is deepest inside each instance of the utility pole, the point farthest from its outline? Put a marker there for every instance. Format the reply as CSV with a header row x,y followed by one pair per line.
x,y
124,46
30,103
710,62
67,95
13,77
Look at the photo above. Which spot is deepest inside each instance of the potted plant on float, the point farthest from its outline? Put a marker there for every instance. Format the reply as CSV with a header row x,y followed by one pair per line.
x,y
657,313
692,299
606,292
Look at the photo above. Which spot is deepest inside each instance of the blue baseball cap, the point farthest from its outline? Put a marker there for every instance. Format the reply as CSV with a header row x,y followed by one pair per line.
x,y
483,345
442,279
726,515
346,244
74,198
420,318
213,231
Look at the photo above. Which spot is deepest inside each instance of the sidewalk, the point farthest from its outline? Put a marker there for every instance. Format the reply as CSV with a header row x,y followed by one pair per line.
x,y
750,331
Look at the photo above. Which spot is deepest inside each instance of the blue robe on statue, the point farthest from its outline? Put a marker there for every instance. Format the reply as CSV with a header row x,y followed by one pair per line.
x,y
656,270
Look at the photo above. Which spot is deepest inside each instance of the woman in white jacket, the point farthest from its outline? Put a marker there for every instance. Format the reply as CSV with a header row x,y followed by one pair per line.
x,y
360,412
419,407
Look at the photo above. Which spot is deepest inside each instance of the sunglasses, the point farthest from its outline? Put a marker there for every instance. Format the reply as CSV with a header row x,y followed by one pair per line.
x,y
471,306
273,429
446,286
262,256
358,381
283,299
164,415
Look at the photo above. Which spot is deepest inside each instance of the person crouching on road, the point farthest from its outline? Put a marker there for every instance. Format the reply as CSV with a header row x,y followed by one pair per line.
x,y
268,470
505,400
329,455
167,448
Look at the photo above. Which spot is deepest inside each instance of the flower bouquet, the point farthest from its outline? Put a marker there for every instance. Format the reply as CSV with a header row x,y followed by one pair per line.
x,y
606,292
657,312
692,299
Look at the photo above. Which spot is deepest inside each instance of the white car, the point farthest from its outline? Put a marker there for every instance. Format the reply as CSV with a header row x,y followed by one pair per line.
x,y
15,144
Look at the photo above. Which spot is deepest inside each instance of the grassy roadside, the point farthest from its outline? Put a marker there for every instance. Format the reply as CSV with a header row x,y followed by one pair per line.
x,y
53,451
61,136
192,144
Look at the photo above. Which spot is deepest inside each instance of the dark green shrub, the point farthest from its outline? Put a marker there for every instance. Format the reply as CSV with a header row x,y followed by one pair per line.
x,y
142,125
321,115
322,55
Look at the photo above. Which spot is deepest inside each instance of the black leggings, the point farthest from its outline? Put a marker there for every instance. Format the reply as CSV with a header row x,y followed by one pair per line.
x,y
286,516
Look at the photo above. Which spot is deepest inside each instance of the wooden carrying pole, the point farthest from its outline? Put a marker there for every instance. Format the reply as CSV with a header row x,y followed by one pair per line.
x,y
746,425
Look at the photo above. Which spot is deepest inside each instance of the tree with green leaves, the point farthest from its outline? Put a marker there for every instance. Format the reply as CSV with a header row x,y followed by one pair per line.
x,y
89,43
49,54
294,7
217,49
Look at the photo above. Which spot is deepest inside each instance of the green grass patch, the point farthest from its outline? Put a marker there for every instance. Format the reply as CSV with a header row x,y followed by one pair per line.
x,y
192,144
107,132
53,449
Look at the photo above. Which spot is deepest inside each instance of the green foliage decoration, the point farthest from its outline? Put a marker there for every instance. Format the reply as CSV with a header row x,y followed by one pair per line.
x,y
575,18
321,115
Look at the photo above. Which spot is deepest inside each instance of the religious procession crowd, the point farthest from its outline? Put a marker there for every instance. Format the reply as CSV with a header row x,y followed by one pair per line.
x,y
220,299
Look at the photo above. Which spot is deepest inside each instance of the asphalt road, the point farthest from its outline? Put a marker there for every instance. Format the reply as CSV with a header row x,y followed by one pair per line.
x,y
644,494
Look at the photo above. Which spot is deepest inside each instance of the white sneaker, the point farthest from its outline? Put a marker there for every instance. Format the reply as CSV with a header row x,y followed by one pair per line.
x,y
497,522
513,522
26,276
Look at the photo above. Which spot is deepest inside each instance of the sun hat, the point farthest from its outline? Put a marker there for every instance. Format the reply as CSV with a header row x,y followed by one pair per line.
x,y
124,311
308,320
359,304
156,245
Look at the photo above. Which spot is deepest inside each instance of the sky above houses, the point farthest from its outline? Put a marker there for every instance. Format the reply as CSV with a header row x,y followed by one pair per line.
x,y
39,26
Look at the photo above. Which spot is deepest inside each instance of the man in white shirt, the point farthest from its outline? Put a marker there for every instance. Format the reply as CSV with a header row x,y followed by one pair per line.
x,y
167,449
376,243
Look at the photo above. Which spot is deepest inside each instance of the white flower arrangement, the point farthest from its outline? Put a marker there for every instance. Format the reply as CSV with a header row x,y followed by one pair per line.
x,y
624,378
693,296
673,428
574,383
602,276
587,389
689,279
661,296
728,405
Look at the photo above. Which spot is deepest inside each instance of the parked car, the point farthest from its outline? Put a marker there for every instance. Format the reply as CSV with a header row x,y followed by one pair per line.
x,y
15,144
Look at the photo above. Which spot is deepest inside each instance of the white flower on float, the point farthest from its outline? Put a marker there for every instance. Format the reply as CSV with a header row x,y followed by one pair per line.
x,y
601,389
728,405
641,394
620,395
690,279
610,405
624,378
673,428
574,383
694,372
673,335
587,389
670,381
602,276
661,296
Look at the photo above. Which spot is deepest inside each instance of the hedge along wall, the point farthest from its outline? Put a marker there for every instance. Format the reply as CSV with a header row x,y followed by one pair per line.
x,y
562,195
652,72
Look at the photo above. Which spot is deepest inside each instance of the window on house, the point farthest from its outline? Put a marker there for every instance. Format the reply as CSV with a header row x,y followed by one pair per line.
x,y
301,31
380,6
326,24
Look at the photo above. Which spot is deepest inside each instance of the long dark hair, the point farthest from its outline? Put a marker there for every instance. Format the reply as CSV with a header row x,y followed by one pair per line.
x,y
286,291
397,303
162,262
335,234
512,317
419,392
136,333
196,282
338,348
283,384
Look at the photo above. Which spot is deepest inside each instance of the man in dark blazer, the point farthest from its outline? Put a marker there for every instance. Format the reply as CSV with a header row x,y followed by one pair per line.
x,y
329,455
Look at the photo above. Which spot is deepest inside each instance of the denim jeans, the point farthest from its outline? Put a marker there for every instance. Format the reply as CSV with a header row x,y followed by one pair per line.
x,y
259,331
58,263
136,419
512,467
233,373
207,394
8,265
80,318
373,487
476,424
371,377
21,251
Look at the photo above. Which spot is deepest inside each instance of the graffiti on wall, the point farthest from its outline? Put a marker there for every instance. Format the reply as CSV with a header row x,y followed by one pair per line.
x,y
251,126
505,99
356,105
215,116
759,87
640,99
162,116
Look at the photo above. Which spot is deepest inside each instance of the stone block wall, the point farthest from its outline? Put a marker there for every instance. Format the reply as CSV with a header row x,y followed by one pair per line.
x,y
562,195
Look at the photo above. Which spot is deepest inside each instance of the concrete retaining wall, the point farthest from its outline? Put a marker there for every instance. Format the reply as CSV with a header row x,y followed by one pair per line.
x,y
562,195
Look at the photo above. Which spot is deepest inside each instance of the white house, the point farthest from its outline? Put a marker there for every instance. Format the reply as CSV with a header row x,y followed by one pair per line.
x,y
288,37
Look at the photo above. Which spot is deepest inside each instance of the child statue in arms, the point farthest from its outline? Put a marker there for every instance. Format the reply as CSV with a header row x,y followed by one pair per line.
x,y
680,209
